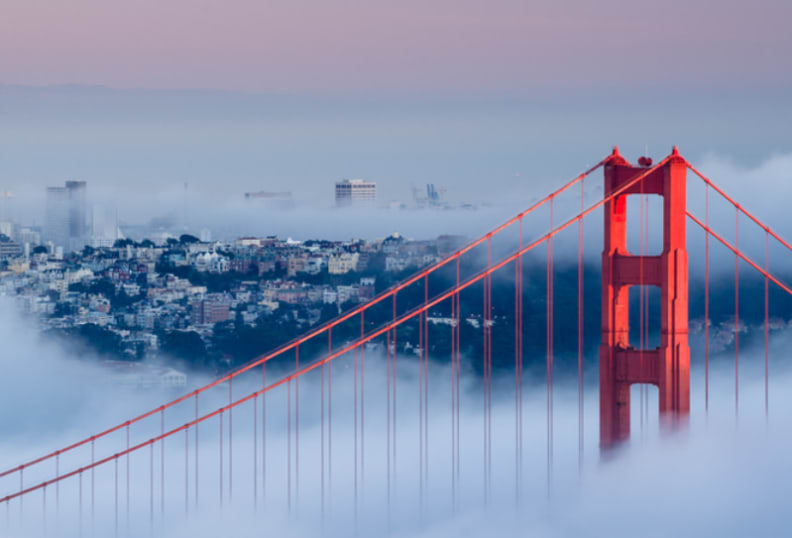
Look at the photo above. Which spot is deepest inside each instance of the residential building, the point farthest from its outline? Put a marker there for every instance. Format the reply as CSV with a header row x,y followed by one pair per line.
x,y
340,264
214,308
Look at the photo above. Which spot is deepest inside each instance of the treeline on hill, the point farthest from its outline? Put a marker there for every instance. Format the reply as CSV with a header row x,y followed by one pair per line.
x,y
233,343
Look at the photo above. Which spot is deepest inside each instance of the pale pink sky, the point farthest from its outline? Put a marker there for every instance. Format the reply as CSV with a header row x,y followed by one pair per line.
x,y
406,45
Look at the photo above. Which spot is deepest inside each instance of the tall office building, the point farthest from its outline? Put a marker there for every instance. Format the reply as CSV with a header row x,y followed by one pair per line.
x,y
355,192
67,218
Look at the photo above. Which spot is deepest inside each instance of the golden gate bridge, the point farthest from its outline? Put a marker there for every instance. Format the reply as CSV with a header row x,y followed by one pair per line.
x,y
62,484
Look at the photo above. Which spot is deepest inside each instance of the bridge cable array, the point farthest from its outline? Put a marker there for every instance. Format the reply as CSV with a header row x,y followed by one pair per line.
x,y
388,331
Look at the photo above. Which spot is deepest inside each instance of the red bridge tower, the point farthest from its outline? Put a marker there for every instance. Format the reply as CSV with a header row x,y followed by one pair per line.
x,y
621,364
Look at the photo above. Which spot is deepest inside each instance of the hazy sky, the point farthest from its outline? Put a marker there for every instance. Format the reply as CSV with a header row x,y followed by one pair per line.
x,y
496,101
416,46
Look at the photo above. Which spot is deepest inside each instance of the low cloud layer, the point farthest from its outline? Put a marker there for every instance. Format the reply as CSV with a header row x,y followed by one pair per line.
x,y
722,476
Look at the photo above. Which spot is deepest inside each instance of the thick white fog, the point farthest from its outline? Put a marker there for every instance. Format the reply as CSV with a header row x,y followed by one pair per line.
x,y
723,476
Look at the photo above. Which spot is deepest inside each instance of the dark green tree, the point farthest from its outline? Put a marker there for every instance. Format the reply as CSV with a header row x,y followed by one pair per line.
x,y
184,345
186,239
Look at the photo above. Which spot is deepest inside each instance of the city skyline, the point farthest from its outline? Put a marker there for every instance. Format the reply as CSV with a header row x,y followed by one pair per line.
x,y
416,269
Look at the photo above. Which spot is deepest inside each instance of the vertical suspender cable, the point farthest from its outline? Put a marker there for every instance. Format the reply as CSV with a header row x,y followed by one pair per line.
x,y
116,495
645,292
330,429
393,377
288,445
453,403
196,451
362,401
516,380
162,464
187,471
127,476
458,368
255,453
580,330
322,434
263,434
767,326
296,426
736,314
453,406
642,336
93,487
230,432
520,350
706,301
549,344
489,366
484,381
355,410
421,358
80,508
426,381
57,486
221,458
387,420
151,488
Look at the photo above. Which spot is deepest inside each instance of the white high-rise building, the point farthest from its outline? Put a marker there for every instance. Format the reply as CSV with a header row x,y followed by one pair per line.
x,y
67,218
355,192
104,228
7,229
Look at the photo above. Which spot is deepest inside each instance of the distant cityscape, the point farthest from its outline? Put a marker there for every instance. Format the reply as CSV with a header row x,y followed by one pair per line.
x,y
130,300
72,222
135,292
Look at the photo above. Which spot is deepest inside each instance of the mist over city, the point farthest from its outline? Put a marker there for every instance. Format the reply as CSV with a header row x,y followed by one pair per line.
x,y
422,269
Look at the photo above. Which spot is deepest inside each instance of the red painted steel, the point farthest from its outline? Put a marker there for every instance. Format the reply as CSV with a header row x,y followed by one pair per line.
x,y
620,363
382,330
742,256
368,337
737,313
739,207
706,302
255,456
320,329
393,377
549,357
767,327
362,401
296,429
580,329
263,435
456,380
667,367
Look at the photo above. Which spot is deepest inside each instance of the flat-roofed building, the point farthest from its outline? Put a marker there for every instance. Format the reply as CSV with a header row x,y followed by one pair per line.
x,y
350,192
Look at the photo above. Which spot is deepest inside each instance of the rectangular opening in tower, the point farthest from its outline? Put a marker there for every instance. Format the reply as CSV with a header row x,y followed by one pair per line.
x,y
645,224
644,327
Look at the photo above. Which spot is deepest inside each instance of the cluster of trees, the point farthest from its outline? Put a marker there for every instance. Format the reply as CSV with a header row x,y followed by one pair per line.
x,y
234,343
90,339
184,239
214,282
105,287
